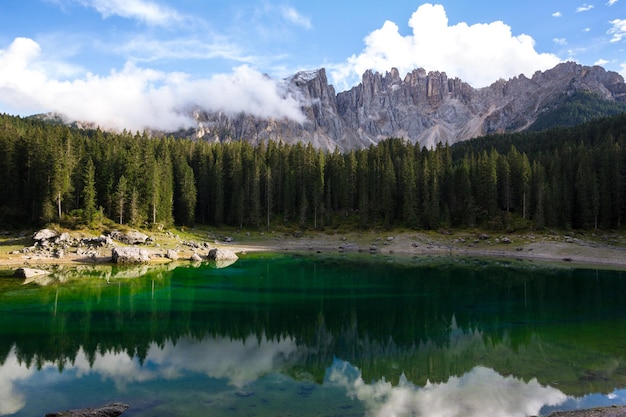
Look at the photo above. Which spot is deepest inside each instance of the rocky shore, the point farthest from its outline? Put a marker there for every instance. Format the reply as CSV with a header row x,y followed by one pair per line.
x,y
49,247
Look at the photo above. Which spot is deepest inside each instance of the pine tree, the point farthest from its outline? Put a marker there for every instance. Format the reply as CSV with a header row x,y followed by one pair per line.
x,y
89,192
121,195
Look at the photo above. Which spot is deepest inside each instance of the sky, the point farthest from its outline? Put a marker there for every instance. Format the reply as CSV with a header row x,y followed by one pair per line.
x,y
139,64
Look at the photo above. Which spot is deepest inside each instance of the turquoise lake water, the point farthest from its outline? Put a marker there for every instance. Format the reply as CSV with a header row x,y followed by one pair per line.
x,y
298,335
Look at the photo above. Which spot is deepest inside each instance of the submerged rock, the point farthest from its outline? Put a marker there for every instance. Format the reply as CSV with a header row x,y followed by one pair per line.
x,y
111,410
28,273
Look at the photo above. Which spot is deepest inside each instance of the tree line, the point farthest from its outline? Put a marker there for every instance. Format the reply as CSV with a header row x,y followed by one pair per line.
x,y
561,178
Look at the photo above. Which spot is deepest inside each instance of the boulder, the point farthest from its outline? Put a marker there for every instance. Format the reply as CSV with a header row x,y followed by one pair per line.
x,y
171,254
195,258
28,273
111,410
130,238
217,254
130,255
45,234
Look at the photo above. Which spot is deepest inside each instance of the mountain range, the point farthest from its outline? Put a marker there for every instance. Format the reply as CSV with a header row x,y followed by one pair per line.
x,y
421,107
424,107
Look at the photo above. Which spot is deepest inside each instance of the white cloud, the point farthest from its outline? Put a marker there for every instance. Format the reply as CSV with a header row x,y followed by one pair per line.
x,y
145,48
479,54
611,2
618,30
293,16
584,8
557,14
560,41
145,11
587,30
134,98
601,62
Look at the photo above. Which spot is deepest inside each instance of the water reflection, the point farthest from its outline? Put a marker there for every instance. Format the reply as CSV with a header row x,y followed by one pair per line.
x,y
397,340
480,392
239,363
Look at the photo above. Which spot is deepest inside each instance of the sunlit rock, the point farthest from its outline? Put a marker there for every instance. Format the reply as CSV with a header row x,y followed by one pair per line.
x,y
45,234
130,238
129,255
217,254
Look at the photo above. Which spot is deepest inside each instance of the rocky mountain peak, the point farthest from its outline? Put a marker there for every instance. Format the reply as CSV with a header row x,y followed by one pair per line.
x,y
421,107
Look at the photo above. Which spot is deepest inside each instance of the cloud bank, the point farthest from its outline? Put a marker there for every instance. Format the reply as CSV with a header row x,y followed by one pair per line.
x,y
135,98
478,54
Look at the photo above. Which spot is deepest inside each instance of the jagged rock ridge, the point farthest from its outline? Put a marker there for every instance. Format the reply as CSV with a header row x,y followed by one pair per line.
x,y
421,107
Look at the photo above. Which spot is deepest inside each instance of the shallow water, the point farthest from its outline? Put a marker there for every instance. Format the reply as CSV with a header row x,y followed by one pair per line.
x,y
310,336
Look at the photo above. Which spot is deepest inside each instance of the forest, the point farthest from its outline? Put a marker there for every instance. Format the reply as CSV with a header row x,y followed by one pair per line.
x,y
564,178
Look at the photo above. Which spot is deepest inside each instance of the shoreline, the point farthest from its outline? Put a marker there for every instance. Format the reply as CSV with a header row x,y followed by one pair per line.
x,y
608,252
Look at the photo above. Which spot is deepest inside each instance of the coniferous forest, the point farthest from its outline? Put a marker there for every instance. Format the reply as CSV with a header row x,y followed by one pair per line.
x,y
567,178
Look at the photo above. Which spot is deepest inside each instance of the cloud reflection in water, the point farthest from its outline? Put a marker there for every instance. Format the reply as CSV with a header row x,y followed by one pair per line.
x,y
480,392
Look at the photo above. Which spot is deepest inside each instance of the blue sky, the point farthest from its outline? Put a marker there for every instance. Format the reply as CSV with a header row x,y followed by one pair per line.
x,y
144,63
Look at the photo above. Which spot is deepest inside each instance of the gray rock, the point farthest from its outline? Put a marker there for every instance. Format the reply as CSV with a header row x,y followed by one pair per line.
x,y
45,235
129,255
217,254
111,410
171,254
195,258
130,238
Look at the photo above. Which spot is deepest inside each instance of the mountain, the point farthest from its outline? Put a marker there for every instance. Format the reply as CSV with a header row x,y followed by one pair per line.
x,y
421,107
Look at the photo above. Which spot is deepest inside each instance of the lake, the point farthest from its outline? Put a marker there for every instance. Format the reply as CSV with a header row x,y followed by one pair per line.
x,y
313,335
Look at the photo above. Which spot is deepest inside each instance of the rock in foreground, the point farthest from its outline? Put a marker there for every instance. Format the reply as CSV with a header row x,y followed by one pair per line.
x,y
111,410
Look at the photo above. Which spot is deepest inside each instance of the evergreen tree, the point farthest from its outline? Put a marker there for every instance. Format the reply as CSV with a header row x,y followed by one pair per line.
x,y
89,192
121,195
